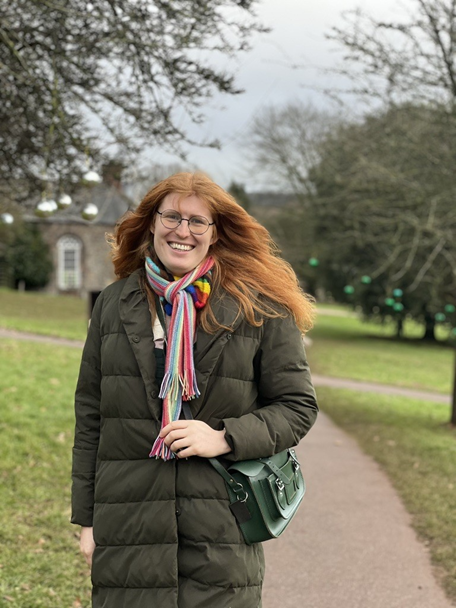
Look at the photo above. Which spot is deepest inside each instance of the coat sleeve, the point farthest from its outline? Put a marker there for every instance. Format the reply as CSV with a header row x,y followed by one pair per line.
x,y
288,405
87,430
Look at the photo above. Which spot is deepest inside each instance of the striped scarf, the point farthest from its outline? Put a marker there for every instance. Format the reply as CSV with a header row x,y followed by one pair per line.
x,y
181,298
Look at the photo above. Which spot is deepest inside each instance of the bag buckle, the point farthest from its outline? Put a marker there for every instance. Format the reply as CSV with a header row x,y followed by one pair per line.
x,y
280,485
296,465
240,488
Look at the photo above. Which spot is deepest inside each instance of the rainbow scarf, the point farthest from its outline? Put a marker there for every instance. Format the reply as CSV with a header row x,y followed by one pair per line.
x,y
181,298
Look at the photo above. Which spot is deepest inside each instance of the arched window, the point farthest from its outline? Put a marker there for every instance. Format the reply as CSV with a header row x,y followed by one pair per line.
x,y
69,263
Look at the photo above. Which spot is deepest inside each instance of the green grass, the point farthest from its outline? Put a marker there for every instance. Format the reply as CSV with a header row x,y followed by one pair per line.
x,y
61,316
345,347
40,564
415,445
343,308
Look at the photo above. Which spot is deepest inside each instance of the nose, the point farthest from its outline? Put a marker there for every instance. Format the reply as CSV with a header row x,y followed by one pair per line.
x,y
183,229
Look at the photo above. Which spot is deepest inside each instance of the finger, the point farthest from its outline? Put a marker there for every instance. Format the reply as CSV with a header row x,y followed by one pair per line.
x,y
185,452
180,444
176,424
174,435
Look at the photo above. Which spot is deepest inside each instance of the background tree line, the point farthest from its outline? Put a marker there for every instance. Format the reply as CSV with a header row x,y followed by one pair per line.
x,y
376,192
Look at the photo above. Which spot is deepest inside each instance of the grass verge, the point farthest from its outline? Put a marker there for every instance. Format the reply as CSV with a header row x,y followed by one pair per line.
x,y
40,562
346,347
62,316
412,441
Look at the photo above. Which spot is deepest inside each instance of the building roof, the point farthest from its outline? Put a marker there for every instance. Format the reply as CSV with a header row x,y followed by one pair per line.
x,y
112,203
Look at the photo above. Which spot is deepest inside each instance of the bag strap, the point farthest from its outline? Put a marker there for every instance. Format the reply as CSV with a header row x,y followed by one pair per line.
x,y
275,469
237,487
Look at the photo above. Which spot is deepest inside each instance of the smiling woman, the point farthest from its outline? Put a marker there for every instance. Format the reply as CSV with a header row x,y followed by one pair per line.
x,y
204,312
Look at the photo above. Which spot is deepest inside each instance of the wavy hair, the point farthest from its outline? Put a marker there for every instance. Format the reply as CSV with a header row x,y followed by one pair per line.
x,y
247,261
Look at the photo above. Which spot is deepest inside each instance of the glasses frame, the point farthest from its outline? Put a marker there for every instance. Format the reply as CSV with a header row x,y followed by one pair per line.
x,y
184,219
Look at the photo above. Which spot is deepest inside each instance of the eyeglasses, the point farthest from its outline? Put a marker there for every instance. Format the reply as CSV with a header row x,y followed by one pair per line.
x,y
197,224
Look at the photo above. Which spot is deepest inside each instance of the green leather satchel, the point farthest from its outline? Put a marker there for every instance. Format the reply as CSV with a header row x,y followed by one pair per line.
x,y
264,493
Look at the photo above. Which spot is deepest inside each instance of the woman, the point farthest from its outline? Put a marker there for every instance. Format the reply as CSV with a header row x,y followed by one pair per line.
x,y
200,277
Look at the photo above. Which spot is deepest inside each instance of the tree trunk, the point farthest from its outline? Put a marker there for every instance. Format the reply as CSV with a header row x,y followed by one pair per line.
x,y
453,405
399,327
429,324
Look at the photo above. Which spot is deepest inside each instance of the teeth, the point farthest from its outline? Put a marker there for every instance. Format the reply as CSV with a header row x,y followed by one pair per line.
x,y
180,246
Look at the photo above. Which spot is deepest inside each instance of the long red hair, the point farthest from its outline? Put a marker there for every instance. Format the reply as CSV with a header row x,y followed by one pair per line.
x,y
247,262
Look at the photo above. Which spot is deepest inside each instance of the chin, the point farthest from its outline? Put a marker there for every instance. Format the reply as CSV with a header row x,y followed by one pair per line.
x,y
180,269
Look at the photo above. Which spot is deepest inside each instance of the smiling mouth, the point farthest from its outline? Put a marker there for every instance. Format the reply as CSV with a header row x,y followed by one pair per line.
x,y
181,247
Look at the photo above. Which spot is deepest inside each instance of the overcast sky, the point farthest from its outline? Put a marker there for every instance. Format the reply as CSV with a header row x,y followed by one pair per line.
x,y
297,37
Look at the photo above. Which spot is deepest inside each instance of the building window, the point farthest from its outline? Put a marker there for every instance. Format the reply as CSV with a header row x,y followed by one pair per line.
x,y
69,265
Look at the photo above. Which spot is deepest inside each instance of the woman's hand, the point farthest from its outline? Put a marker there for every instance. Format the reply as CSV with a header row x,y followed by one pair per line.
x,y
194,438
87,544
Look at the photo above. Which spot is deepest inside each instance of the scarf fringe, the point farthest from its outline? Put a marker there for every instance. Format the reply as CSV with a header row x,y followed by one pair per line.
x,y
161,450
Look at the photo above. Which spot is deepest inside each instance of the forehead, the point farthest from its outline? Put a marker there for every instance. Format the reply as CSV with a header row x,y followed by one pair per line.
x,y
186,205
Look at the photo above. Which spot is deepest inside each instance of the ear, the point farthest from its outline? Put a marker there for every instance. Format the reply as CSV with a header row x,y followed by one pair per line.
x,y
214,238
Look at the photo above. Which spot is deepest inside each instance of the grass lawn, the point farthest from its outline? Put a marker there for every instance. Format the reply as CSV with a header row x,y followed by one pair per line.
x,y
414,444
345,347
40,562
62,316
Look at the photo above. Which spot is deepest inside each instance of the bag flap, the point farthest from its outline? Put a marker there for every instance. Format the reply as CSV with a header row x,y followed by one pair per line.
x,y
251,468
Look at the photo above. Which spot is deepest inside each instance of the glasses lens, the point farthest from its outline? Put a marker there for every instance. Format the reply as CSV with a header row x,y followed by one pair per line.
x,y
170,219
198,224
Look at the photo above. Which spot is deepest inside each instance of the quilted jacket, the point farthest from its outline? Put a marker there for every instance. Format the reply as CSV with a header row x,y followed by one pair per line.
x,y
165,536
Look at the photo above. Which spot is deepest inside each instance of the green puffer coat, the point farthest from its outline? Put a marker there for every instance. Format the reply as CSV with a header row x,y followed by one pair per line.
x,y
165,536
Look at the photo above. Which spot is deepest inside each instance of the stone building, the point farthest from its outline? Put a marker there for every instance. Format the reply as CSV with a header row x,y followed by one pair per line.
x,y
82,264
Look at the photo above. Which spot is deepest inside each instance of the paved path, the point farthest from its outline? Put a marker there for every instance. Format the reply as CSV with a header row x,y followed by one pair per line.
x,y
351,544
22,335
318,380
385,389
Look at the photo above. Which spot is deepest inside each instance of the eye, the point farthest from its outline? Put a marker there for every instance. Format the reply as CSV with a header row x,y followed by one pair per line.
x,y
198,221
173,216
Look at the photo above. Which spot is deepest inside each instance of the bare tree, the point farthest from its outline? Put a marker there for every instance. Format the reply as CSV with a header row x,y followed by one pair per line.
x,y
284,145
76,75
412,58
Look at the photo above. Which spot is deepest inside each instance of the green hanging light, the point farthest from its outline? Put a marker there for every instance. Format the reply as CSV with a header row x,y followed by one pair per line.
x,y
366,279
440,317
389,301
349,289
398,306
314,262
450,308
398,293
